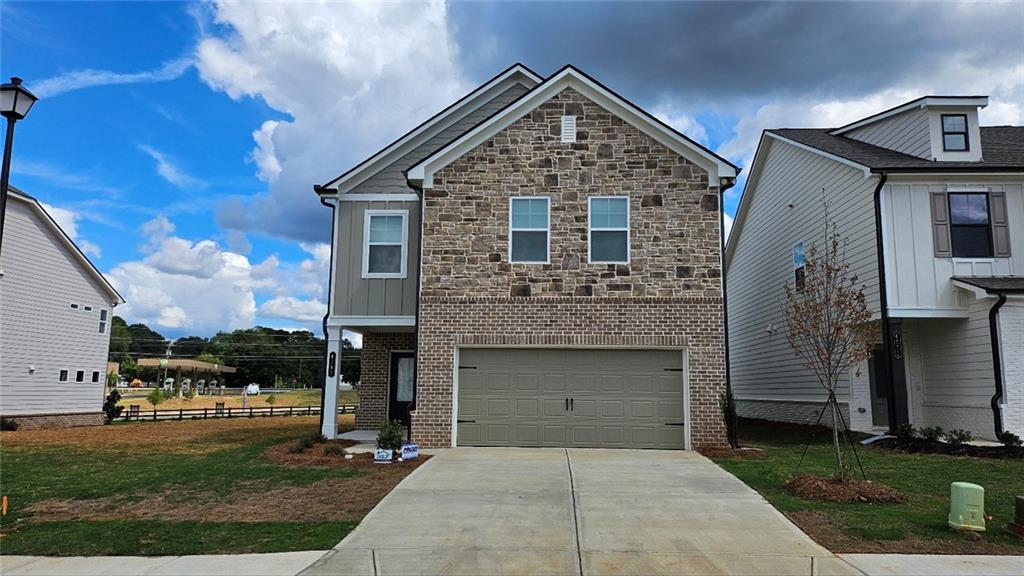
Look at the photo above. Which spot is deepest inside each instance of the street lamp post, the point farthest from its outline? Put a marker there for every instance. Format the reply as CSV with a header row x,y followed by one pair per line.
x,y
15,102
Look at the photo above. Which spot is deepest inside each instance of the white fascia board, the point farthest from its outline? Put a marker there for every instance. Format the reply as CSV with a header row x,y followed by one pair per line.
x,y
430,128
929,312
378,198
422,174
975,102
979,292
865,169
68,243
357,321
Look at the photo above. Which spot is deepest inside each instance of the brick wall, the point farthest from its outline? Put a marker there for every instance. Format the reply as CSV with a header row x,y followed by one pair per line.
x,y
668,295
374,375
31,422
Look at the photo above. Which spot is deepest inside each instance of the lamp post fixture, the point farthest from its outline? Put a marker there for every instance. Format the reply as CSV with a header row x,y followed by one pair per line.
x,y
15,102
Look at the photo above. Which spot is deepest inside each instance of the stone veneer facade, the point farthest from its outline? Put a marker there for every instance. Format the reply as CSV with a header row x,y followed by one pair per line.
x,y
668,295
375,373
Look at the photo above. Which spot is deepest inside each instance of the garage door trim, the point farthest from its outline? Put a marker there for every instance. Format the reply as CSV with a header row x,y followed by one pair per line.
x,y
681,349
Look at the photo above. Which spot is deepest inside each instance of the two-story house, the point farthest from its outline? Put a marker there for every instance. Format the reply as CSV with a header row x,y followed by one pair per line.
x,y
537,265
931,208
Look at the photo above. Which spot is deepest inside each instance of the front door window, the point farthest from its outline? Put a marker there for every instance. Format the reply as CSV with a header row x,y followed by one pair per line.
x,y
402,390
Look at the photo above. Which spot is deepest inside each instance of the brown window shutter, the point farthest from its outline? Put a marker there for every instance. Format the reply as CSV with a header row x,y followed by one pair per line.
x,y
1000,226
940,225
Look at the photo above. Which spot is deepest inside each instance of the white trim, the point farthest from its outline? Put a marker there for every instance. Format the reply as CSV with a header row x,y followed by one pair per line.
x,y
840,159
967,188
590,230
929,312
687,416
367,216
979,293
378,198
547,230
980,101
358,321
422,174
467,104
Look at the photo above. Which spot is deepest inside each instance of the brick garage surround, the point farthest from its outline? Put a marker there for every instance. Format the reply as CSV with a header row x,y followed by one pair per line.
x,y
668,295
374,375
34,421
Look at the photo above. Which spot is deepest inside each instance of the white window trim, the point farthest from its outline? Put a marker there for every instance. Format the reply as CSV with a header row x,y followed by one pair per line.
x,y
366,243
547,229
590,230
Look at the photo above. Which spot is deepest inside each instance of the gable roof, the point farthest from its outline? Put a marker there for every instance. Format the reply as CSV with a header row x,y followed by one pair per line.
x,y
922,102
517,73
421,174
1002,148
72,248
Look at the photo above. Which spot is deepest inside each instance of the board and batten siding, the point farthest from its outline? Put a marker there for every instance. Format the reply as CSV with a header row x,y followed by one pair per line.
x,y
763,366
916,279
908,132
358,296
38,327
391,180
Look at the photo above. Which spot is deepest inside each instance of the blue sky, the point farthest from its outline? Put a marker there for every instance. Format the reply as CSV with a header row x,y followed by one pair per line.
x,y
178,142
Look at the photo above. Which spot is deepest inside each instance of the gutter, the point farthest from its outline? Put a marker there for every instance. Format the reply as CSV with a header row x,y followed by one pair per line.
x,y
997,366
330,282
419,286
883,301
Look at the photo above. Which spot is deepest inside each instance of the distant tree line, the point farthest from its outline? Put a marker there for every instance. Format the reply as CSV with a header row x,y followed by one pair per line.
x,y
263,355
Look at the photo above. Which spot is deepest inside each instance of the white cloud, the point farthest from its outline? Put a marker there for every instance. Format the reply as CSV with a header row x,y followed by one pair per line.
x,y
61,177
675,117
727,225
169,171
352,76
291,308
68,221
87,78
90,248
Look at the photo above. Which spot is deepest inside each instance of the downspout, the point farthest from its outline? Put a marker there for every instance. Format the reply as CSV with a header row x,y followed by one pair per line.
x,y
330,297
419,286
997,366
883,301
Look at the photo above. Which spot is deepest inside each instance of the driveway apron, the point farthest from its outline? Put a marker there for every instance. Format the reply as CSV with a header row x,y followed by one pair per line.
x,y
575,511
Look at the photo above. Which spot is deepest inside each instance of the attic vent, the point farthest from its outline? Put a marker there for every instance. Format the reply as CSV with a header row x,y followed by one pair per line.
x,y
568,128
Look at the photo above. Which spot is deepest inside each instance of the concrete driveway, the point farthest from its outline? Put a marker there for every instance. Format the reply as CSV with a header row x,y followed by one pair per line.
x,y
554,511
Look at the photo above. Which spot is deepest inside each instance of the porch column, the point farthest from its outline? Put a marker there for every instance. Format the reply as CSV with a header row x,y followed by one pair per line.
x,y
329,409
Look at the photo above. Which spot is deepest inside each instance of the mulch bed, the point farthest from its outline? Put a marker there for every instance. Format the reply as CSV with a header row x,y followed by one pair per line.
x,y
922,446
811,487
726,452
316,456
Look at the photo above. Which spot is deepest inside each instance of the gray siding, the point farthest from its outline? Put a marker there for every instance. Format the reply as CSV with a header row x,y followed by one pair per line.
x,y
907,132
391,180
38,327
762,364
358,296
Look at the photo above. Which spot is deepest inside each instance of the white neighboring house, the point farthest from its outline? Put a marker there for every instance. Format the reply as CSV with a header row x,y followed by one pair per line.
x,y
931,206
55,315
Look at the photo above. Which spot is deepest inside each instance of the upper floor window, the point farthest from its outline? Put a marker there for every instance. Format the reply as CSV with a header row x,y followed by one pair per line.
x,y
969,230
385,243
529,236
80,376
609,230
63,376
799,266
103,321
954,133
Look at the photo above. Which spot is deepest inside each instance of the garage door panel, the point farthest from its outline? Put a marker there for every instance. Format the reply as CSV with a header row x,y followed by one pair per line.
x,y
641,408
527,408
584,408
613,408
554,383
498,408
555,407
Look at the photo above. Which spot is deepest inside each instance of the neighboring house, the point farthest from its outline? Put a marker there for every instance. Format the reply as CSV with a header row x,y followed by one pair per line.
x,y
537,265
930,205
55,312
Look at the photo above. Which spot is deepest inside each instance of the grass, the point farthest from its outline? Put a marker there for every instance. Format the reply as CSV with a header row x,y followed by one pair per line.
x,y
281,399
918,526
87,464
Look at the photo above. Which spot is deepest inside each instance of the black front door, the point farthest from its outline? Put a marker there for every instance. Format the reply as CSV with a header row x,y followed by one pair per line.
x,y
401,392
880,385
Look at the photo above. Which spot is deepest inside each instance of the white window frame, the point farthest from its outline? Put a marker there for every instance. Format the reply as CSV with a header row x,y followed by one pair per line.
x,y
590,230
367,215
546,229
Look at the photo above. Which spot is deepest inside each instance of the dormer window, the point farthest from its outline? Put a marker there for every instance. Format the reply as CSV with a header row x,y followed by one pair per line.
x,y
954,133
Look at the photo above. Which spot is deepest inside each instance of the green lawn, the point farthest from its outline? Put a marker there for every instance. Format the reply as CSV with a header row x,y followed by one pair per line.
x,y
205,462
919,525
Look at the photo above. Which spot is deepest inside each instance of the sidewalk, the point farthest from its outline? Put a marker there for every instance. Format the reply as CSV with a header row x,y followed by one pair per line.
x,y
930,564
280,564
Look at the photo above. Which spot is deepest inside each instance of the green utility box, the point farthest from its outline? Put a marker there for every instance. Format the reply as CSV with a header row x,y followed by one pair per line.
x,y
966,506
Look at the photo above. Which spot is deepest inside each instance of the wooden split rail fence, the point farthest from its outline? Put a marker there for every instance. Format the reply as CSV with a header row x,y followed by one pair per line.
x,y
134,413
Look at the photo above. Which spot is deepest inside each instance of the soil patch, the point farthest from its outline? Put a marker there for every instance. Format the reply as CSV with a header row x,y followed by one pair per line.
x,y
823,530
922,446
727,452
811,487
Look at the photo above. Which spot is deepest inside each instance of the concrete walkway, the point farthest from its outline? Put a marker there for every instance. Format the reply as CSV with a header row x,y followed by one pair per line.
x,y
928,564
554,511
281,564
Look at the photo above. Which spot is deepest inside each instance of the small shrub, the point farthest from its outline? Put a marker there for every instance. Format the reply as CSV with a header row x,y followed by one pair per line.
x,y
956,438
1009,439
270,399
111,411
932,433
334,450
905,432
728,406
8,424
156,397
302,445
390,436
318,438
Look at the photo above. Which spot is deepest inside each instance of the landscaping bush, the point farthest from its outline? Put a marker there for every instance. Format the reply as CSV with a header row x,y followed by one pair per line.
x,y
156,397
270,399
390,436
8,425
334,450
111,411
303,445
728,406
956,438
931,433
905,432
1009,439
318,438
